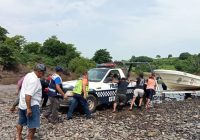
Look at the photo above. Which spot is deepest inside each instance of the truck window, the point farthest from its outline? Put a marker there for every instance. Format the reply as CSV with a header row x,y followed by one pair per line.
x,y
96,75
111,75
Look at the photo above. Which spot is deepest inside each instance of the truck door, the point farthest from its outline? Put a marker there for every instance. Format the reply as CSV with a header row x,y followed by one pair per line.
x,y
111,80
107,91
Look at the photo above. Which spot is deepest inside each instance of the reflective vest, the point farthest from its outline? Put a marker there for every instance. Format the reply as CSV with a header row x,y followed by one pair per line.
x,y
78,87
52,86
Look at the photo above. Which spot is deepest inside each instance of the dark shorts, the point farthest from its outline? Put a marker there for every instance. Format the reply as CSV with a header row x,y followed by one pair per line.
x,y
31,122
149,93
120,98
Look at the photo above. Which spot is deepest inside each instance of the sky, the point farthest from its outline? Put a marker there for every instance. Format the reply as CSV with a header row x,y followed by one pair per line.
x,y
124,27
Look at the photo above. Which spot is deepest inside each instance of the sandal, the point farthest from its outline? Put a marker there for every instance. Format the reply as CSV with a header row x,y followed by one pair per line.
x,y
130,109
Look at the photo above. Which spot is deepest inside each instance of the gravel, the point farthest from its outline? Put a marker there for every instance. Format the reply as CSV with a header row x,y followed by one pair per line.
x,y
167,121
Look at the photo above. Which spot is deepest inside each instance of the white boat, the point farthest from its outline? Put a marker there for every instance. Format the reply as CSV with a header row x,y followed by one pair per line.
x,y
177,80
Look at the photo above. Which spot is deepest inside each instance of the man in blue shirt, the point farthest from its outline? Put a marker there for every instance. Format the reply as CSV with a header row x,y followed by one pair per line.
x,y
55,93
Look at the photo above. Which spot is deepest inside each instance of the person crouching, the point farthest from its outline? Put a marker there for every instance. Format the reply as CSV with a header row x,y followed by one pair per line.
x,y
120,94
80,93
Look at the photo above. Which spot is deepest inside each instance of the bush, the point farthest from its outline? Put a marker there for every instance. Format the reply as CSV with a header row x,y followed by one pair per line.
x,y
79,65
7,57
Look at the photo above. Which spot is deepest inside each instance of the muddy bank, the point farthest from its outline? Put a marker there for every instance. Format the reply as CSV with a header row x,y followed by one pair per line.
x,y
169,120
11,77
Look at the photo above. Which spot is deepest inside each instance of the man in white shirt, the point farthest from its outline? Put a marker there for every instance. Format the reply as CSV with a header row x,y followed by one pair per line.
x,y
30,97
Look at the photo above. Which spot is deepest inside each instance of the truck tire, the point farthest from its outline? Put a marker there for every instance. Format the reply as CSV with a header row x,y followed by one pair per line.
x,y
92,102
188,95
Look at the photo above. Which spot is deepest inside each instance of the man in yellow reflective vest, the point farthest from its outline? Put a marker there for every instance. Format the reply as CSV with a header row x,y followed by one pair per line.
x,y
80,92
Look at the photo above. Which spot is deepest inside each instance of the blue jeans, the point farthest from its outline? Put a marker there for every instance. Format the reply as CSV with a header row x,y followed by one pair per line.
x,y
78,99
31,122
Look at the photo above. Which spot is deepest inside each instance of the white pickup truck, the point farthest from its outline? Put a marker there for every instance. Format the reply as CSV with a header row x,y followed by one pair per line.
x,y
101,89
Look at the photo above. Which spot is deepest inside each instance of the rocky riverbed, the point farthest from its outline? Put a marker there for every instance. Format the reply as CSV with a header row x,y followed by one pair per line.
x,y
169,120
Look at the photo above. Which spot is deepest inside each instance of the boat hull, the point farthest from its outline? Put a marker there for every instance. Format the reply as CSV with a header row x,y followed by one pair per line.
x,y
176,80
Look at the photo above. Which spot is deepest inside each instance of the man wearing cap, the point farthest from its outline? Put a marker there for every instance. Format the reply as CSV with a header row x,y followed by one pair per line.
x,y
30,97
55,93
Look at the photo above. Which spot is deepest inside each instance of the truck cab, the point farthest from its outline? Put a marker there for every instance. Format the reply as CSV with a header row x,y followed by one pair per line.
x,y
102,88
102,78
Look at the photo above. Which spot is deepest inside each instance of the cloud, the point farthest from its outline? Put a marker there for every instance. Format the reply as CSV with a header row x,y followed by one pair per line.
x,y
163,32
124,28
49,16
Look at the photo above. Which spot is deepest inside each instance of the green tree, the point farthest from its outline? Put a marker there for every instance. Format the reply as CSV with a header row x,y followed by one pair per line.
x,y
32,47
169,56
164,63
194,64
3,33
102,56
184,56
158,56
16,42
52,47
132,59
80,64
63,60
7,56
70,52
143,59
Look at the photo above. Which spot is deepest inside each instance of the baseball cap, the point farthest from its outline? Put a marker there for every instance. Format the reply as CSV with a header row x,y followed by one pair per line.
x,y
58,69
40,67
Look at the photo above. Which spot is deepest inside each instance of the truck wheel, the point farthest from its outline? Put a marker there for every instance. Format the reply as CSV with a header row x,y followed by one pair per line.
x,y
92,102
188,95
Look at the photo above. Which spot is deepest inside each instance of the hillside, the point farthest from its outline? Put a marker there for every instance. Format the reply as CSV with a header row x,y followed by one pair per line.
x,y
8,77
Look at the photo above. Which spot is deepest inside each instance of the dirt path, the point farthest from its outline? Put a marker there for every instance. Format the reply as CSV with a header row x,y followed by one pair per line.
x,y
7,90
